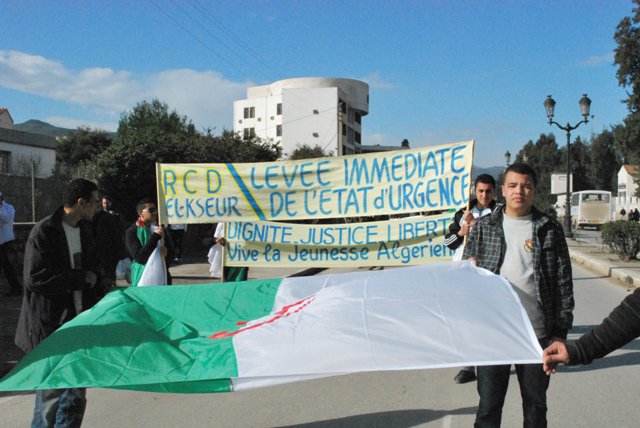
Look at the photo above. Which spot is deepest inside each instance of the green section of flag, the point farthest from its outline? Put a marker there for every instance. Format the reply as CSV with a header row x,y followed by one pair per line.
x,y
149,339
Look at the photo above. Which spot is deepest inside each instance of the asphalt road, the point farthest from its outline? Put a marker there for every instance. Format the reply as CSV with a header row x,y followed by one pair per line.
x,y
603,394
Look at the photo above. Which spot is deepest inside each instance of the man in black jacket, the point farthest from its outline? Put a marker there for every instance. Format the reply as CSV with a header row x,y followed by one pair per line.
x,y
60,281
483,204
619,328
109,241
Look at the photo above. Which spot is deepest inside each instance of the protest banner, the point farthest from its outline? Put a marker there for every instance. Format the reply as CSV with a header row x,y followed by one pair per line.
x,y
397,182
398,242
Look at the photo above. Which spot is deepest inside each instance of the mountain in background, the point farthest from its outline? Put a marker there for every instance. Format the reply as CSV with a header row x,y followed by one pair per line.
x,y
40,127
494,171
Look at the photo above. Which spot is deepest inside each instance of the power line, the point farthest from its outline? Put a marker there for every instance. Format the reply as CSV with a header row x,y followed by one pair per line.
x,y
218,39
231,35
199,40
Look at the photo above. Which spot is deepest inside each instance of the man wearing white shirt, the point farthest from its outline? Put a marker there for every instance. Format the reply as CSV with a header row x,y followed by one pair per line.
x,y
60,280
7,213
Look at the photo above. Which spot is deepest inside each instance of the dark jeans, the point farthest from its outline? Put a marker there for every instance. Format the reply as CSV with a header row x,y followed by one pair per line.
x,y
7,267
492,387
177,235
59,408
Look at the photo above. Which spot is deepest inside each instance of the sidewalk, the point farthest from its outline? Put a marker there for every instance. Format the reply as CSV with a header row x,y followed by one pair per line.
x,y
598,259
591,256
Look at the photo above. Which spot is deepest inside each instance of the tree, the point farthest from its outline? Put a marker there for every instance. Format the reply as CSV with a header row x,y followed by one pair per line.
x,y
305,151
28,165
148,134
627,138
604,162
79,146
580,165
627,56
231,147
153,118
151,134
545,158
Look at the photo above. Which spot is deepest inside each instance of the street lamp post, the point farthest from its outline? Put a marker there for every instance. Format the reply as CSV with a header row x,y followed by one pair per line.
x,y
585,106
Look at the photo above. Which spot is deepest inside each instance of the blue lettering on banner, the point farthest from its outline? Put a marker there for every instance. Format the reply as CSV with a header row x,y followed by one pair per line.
x,y
407,254
197,208
235,252
259,232
348,254
185,182
404,166
169,181
306,174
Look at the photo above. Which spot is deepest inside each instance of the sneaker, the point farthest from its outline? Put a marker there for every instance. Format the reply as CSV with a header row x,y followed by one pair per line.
x,y
465,376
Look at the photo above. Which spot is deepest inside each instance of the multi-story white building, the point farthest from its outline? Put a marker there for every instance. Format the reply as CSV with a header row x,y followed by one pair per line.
x,y
315,111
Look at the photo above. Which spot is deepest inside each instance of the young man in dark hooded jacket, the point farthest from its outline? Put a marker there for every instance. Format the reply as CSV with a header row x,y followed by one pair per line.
x,y
60,281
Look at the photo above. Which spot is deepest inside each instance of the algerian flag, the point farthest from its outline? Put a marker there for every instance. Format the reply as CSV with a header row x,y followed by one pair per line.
x,y
219,337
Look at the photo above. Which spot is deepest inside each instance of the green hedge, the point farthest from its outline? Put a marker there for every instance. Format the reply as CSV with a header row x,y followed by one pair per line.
x,y
623,238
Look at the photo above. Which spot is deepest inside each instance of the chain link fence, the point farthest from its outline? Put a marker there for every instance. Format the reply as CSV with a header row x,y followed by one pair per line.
x,y
32,197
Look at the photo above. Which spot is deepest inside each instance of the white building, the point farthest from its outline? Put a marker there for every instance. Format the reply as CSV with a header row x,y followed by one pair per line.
x,y
6,121
626,181
627,189
316,111
17,146
20,147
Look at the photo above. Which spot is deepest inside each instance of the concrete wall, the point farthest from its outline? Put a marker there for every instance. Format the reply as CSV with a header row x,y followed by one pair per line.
x,y
46,156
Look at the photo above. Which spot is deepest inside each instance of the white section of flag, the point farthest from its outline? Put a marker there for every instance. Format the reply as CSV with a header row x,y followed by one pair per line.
x,y
438,315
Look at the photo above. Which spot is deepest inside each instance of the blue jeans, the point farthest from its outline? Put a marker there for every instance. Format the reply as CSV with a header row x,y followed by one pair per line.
x,y
492,387
59,408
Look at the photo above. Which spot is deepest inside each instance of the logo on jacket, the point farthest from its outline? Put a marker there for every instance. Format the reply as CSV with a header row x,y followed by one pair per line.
x,y
528,245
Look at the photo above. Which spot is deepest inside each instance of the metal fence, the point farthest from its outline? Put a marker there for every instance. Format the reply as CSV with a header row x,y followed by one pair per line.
x,y
32,197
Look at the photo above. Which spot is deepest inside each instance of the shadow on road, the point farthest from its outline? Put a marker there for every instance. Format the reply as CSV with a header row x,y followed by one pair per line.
x,y
397,418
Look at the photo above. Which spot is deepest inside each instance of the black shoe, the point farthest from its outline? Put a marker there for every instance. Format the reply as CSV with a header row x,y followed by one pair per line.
x,y
465,376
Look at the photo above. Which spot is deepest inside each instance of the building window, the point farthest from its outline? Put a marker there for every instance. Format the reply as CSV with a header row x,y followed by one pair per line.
x,y
249,112
358,137
278,130
358,118
5,162
279,109
344,130
343,106
249,132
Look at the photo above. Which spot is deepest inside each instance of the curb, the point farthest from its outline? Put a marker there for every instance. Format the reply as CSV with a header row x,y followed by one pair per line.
x,y
629,277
